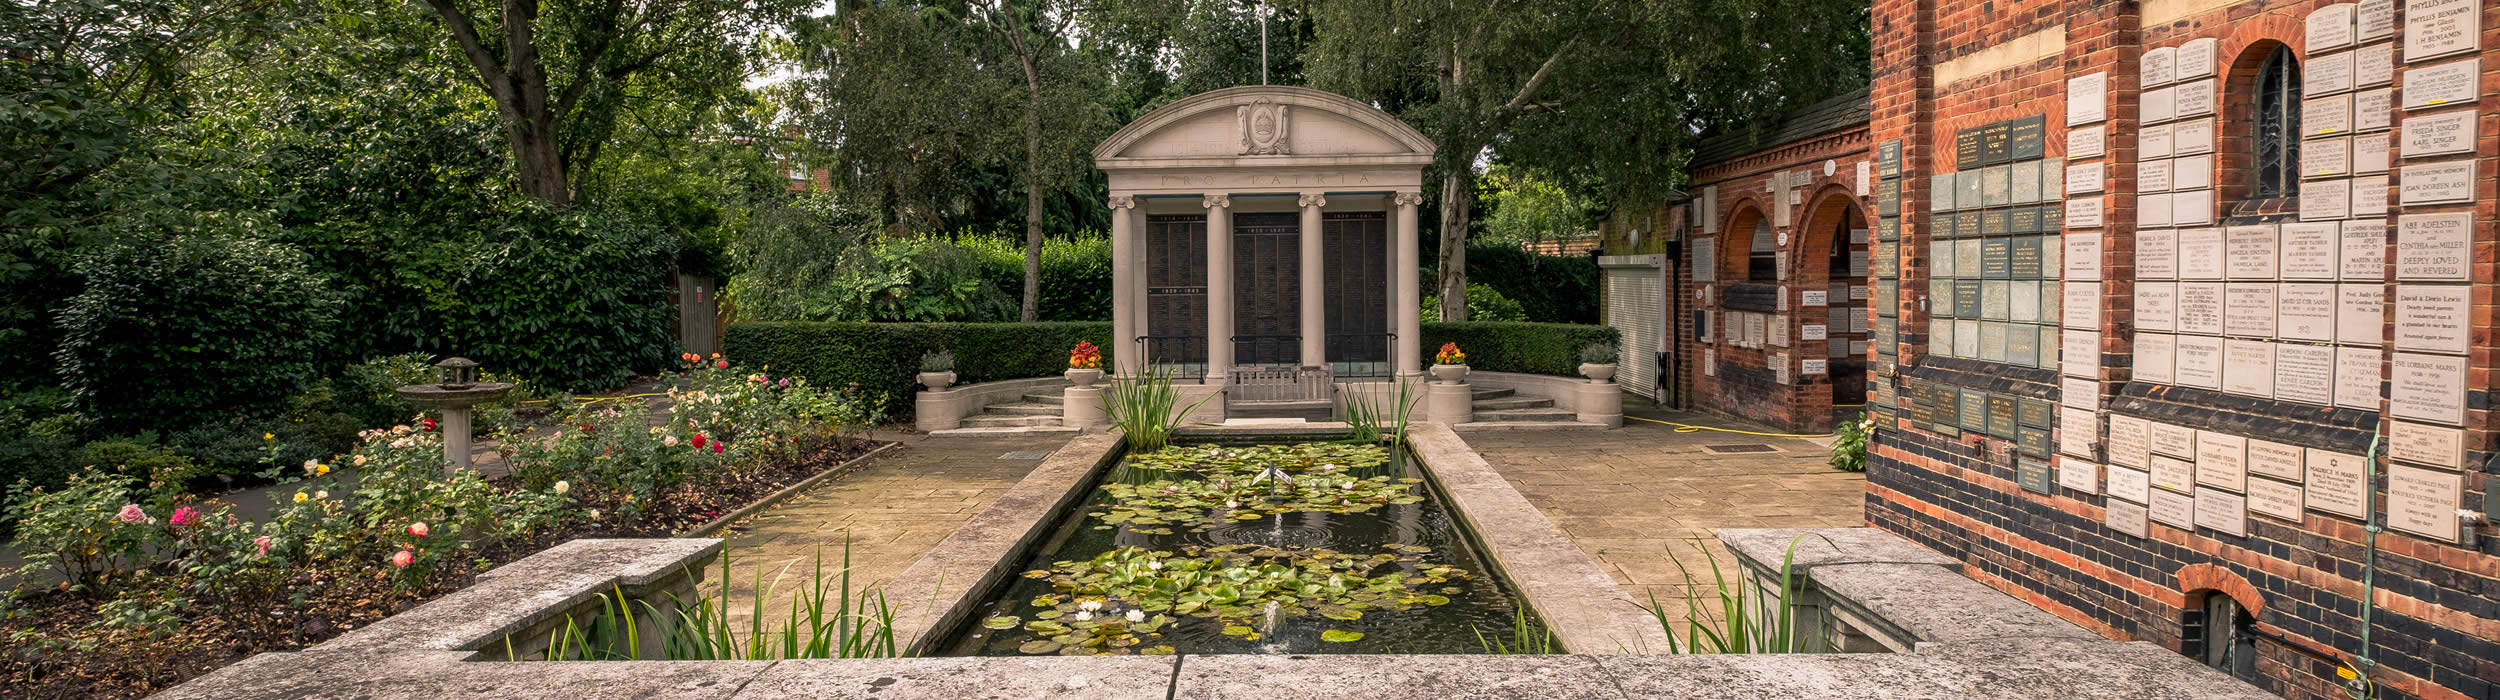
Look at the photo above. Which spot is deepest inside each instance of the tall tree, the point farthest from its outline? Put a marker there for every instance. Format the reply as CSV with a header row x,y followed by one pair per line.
x,y
1060,115
900,97
1603,95
559,70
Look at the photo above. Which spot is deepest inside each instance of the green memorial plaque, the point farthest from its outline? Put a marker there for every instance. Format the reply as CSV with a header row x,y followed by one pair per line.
x,y
2028,139
1996,143
1888,198
2052,218
1974,405
1885,257
2035,441
1996,258
1966,298
2039,413
2036,476
1945,406
1887,300
1966,149
1966,224
1888,159
1996,222
1888,228
2023,220
2026,258
2002,418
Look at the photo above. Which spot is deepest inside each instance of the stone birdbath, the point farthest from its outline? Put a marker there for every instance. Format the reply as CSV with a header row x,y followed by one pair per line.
x,y
457,390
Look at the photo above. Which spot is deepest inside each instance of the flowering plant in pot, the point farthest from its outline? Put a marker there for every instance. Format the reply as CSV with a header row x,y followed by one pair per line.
x,y
937,370
1450,365
1084,364
1597,362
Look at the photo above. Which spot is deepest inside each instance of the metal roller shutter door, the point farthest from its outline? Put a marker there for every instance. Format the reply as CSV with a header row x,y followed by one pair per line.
x,y
1634,308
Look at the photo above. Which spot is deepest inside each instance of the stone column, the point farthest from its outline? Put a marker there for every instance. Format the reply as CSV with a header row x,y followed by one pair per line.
x,y
1124,346
456,437
1406,307
1219,287
1314,315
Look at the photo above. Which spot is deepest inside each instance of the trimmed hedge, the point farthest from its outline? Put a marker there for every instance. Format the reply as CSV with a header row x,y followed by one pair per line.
x,y
1551,349
886,356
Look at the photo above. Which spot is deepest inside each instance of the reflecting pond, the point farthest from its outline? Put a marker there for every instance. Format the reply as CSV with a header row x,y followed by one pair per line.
x,y
1252,549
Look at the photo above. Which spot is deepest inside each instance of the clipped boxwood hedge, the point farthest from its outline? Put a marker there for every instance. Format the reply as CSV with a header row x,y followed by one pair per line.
x,y
886,356
1513,346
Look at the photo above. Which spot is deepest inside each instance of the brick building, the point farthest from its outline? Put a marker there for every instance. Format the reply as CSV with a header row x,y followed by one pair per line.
x,y
2172,298
1768,260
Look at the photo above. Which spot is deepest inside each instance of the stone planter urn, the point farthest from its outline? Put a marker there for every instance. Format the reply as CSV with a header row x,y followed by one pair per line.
x,y
1598,373
937,381
1450,374
1084,378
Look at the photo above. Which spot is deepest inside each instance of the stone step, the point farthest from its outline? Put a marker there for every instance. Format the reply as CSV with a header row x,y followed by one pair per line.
x,y
1528,415
1504,404
1052,397
995,432
1525,425
1482,394
1320,410
1023,409
999,421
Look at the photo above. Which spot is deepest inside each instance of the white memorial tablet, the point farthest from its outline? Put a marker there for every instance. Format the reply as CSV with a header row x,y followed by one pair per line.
x,y
2440,134
2376,19
2129,484
2324,116
2428,388
2079,475
2127,518
2357,378
2152,142
2434,318
2087,142
2436,183
2434,445
2305,312
2153,176
2201,308
2157,254
2192,172
2174,440
2364,256
2174,509
2308,250
2424,502
2440,27
2196,58
2159,105
2248,309
2359,311
2195,98
2252,251
2325,157
2369,196
2192,136
2304,373
2374,65
2337,484
2221,460
2159,66
2081,352
2083,254
2199,362
2222,511
2325,200
2077,430
2156,357
2153,209
2082,305
2079,394
2084,178
2327,74
2275,459
2373,110
2087,99
2248,368
2200,254
2370,152
2130,441
2435,247
2083,213
2156,306
2330,27
2190,207
2274,499
2173,473
2440,85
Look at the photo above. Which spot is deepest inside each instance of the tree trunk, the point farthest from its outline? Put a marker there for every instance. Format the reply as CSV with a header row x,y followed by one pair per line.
x,y
1455,201
536,158
1032,194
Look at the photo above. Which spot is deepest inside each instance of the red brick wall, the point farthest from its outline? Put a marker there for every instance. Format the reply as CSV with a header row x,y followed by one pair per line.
x,y
2436,624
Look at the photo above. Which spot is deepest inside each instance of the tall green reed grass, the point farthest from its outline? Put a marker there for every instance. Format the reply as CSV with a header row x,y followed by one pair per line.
x,y
825,619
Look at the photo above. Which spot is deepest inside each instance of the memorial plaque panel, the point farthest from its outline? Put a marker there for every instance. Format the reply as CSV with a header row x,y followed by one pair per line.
x,y
2431,445
1967,223
2327,157
2376,20
2024,258
2082,306
2152,209
2307,252
2192,173
2192,137
2079,475
2052,217
2159,105
2424,502
1967,259
2357,378
2174,509
2028,138
2081,350
2174,440
2127,518
2084,178
2026,296
2153,175
1888,159
2373,110
2221,460
2305,312
2436,183
2004,414
2086,212
2035,476
2036,442
2134,485
2156,306
2024,220
1974,190
2364,256
2359,309
2130,441
2325,200
2037,413
1966,150
1996,143
2153,142
1996,184
1888,229
2199,362
2079,394
2173,473
2304,373
2196,58
2252,251
2248,309
2330,27
2196,97
2025,185
2275,459
2369,196
2443,84
2200,308
1992,341
2274,499
2374,65
2089,142
2082,256
1966,299
2434,317
2337,484
2248,368
2324,116
1996,258
2157,254
2222,511
2326,74
2078,429
2439,134
2436,28
2087,99
2200,254
1974,405
2156,358
2427,388
2159,66
2435,247
1940,192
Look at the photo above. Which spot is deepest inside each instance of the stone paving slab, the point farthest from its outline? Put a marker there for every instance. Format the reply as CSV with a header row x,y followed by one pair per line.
x,y
971,678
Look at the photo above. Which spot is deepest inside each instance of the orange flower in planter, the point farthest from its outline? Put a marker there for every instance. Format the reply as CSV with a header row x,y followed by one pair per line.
x,y
1450,355
1085,356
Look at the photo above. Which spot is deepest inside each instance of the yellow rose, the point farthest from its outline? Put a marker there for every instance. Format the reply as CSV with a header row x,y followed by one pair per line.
x,y
268,436
323,470
299,497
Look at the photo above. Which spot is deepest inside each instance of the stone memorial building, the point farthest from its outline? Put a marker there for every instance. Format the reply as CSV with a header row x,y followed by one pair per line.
x,y
1265,247
2175,299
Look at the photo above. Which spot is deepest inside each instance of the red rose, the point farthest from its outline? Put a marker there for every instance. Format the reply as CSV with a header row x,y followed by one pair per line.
x,y
429,425
699,440
717,447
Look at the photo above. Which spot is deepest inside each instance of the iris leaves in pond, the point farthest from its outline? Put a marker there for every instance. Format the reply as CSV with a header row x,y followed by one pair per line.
x,y
1115,602
1199,486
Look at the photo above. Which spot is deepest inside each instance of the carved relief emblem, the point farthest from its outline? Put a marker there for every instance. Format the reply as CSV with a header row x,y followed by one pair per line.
x,y
1263,129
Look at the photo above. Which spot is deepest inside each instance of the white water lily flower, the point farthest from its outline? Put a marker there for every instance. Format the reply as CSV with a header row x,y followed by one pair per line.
x,y
1082,616
1137,616
1090,605
1349,486
1232,504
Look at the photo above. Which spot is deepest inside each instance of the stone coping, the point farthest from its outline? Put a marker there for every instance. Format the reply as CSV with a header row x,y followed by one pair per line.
x,y
509,599
2015,671
949,582
1906,597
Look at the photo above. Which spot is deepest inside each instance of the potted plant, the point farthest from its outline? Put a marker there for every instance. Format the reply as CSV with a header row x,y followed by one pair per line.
x,y
937,370
1084,365
1449,365
1597,362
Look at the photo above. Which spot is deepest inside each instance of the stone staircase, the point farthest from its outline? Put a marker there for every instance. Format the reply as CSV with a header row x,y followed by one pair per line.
x,y
1040,408
1504,409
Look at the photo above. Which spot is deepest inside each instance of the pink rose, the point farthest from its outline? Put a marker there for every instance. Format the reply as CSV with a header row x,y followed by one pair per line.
x,y
404,558
720,364
132,515
419,529
260,545
186,516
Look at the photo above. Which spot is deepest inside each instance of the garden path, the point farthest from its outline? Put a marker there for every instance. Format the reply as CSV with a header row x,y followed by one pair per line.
x,y
892,510
1637,499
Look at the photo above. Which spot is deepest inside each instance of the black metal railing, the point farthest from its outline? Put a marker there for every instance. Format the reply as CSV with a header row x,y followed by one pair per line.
x,y
1363,355
1184,356
1250,350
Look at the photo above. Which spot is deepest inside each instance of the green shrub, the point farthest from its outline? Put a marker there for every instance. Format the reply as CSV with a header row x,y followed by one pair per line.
x,y
1484,303
574,300
40,438
884,357
368,390
192,328
1076,272
1549,288
816,260
1528,348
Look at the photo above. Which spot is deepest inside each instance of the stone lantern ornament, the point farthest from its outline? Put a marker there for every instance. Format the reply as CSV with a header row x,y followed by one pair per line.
x,y
455,390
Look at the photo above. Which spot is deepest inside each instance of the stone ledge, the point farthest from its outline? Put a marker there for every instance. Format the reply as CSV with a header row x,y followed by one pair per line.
x,y
427,675
1390,677
1767,547
939,590
1935,605
963,678
540,587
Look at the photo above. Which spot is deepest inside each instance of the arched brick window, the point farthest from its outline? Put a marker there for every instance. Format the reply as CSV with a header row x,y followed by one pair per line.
x,y
1762,265
2275,137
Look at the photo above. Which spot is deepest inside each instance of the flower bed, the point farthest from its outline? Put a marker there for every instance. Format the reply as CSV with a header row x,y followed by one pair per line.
x,y
155,587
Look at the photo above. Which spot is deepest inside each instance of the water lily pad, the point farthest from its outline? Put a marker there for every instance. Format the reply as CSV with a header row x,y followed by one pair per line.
x,y
1039,646
1157,650
1339,612
1237,631
1002,622
1340,636
1435,600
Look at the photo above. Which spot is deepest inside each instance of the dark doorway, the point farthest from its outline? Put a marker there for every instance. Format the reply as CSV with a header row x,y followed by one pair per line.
x,y
1176,290
1357,284
1267,289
